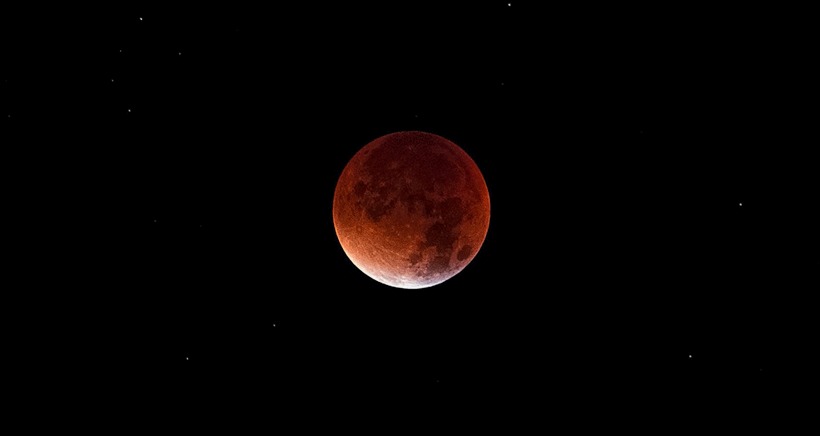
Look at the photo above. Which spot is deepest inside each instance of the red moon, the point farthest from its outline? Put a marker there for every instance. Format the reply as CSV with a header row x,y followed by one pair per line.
x,y
411,209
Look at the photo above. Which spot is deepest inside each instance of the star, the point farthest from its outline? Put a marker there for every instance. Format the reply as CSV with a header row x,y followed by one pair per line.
x,y
179,53
690,356
154,220
740,204
187,358
509,4
274,324
129,110
140,18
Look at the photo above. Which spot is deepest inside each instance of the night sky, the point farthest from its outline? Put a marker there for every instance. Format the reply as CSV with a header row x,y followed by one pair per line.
x,y
652,244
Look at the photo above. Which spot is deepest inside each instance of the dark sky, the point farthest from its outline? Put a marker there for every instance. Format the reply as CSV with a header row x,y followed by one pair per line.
x,y
653,237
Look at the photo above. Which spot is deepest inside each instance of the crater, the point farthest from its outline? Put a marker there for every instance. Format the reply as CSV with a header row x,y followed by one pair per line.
x,y
464,252
359,188
440,236
451,210
439,264
377,207
414,258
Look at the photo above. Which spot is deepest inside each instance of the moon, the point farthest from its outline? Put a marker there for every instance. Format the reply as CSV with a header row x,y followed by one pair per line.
x,y
411,209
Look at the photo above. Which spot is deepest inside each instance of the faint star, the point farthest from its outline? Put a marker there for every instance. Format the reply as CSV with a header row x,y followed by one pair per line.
x,y
155,220
112,80
179,53
274,324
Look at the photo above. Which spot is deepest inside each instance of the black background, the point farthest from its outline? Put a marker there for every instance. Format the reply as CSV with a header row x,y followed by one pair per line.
x,y
184,161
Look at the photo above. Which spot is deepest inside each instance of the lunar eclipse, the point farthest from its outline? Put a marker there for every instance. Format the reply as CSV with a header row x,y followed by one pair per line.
x,y
411,209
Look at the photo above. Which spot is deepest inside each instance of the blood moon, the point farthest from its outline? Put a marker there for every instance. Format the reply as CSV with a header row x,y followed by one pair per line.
x,y
411,209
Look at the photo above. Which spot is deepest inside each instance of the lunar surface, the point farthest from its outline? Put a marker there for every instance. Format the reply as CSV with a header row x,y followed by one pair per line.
x,y
411,209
